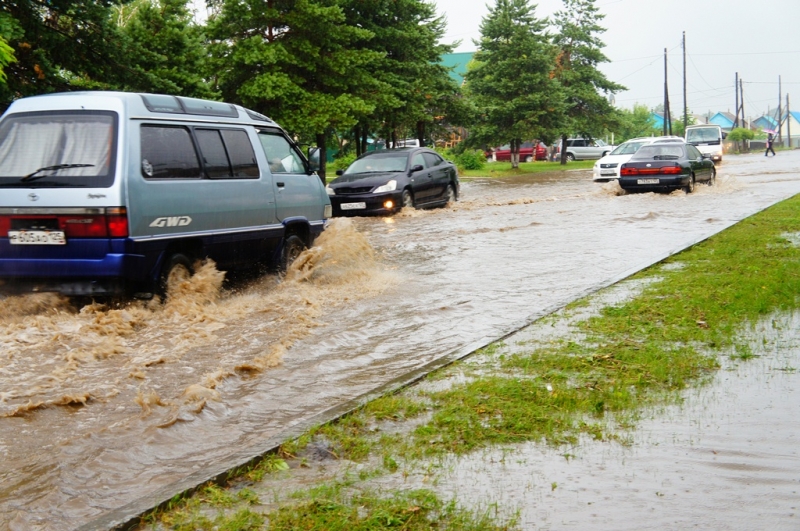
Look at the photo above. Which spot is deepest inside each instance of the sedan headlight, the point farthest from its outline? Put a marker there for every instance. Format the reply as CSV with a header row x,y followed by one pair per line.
x,y
329,190
388,187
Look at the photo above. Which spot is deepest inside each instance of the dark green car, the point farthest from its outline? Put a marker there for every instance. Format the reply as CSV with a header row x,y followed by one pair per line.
x,y
666,167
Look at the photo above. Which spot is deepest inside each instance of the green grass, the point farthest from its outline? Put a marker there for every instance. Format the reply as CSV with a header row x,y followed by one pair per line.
x,y
633,355
503,169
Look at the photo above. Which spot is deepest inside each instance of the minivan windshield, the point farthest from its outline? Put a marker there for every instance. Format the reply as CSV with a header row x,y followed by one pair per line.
x,y
57,149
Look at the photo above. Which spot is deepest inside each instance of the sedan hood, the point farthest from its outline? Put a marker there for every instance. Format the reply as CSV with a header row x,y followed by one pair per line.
x,y
366,179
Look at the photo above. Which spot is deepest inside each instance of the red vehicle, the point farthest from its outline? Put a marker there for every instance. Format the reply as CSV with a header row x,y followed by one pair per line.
x,y
528,152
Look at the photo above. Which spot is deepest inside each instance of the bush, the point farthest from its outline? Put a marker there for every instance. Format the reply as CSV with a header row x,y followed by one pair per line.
x,y
470,159
739,134
343,162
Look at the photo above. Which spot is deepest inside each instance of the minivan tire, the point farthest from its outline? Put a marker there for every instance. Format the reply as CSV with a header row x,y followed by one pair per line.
x,y
292,247
177,268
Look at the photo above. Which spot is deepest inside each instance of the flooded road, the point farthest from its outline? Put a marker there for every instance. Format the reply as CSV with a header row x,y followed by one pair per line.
x,y
104,407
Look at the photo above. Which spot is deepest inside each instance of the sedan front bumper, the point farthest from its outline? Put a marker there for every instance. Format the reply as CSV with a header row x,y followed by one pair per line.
x,y
367,204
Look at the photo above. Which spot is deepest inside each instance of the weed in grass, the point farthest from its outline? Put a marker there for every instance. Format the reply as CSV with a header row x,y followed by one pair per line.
x,y
411,511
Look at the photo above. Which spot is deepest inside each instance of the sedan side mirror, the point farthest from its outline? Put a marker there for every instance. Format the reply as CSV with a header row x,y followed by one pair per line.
x,y
416,168
339,172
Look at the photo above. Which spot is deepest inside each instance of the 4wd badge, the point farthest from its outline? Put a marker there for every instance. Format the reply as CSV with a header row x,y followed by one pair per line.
x,y
172,221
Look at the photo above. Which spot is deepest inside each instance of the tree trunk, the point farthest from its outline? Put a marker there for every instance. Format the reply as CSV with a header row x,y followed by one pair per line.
x,y
563,149
421,132
357,135
515,153
323,156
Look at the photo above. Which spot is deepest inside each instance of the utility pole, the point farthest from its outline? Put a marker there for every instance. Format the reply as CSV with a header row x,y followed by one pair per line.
x,y
667,118
685,104
741,93
780,114
736,86
788,123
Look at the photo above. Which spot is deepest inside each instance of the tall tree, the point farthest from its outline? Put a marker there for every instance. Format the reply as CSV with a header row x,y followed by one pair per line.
x,y
165,48
297,61
510,80
59,45
588,111
414,85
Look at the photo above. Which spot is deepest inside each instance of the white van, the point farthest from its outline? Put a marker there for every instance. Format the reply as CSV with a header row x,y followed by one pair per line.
x,y
707,138
106,193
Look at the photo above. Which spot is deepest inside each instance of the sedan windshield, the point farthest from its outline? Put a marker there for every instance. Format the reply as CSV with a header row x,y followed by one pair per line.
x,y
628,148
379,163
659,152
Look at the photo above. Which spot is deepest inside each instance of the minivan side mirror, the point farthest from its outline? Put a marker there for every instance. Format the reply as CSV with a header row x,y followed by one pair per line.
x,y
313,158
416,168
339,172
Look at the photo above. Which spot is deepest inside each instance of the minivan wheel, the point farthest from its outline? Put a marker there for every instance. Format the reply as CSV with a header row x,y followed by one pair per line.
x,y
408,199
293,245
177,269
570,157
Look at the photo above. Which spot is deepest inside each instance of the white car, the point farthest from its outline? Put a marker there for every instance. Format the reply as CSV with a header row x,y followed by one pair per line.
x,y
607,168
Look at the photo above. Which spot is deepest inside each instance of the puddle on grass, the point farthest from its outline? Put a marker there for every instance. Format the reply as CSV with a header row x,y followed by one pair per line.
x,y
727,458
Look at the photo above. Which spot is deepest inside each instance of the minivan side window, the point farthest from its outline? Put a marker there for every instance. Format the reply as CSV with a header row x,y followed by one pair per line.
x,y
233,158
168,153
281,155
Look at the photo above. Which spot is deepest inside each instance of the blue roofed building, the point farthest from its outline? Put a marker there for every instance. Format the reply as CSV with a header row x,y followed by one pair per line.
x,y
723,119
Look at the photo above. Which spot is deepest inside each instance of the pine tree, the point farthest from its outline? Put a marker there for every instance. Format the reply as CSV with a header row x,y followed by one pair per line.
x,y
588,112
510,81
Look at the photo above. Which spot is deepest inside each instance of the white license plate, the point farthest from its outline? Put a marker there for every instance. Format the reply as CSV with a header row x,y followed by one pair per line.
x,y
36,237
608,173
647,181
353,206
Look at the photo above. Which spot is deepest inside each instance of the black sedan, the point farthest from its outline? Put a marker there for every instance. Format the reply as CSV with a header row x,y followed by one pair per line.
x,y
388,180
666,167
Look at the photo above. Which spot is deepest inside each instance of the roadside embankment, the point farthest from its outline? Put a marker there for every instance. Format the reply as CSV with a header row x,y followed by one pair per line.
x,y
609,363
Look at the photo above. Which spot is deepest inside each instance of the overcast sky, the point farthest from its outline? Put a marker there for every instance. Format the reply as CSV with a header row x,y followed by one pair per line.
x,y
758,39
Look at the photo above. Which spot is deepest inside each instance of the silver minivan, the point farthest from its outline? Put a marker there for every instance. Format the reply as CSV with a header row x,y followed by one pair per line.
x,y
109,193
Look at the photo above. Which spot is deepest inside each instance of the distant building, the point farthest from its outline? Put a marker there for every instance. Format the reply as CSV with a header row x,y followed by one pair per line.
x,y
723,119
457,62
791,124
766,123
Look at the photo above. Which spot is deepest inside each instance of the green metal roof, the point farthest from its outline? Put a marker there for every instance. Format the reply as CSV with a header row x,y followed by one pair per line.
x,y
458,64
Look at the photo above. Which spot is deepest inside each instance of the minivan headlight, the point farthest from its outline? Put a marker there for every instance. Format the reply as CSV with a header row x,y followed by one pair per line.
x,y
388,187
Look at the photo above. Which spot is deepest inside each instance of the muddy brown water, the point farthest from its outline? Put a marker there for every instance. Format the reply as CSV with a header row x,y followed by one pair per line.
x,y
104,406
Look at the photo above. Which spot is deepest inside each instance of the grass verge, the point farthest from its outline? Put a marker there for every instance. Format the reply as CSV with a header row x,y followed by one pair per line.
x,y
503,169
595,381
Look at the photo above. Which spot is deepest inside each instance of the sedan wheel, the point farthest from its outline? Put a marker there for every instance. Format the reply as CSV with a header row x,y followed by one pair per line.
x,y
713,179
408,199
451,195
529,158
689,188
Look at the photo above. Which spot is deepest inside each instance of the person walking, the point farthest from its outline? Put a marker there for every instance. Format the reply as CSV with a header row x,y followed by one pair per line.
x,y
770,138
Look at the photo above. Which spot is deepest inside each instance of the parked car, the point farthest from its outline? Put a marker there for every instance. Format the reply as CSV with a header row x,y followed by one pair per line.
x,y
607,168
528,152
386,181
665,167
585,149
